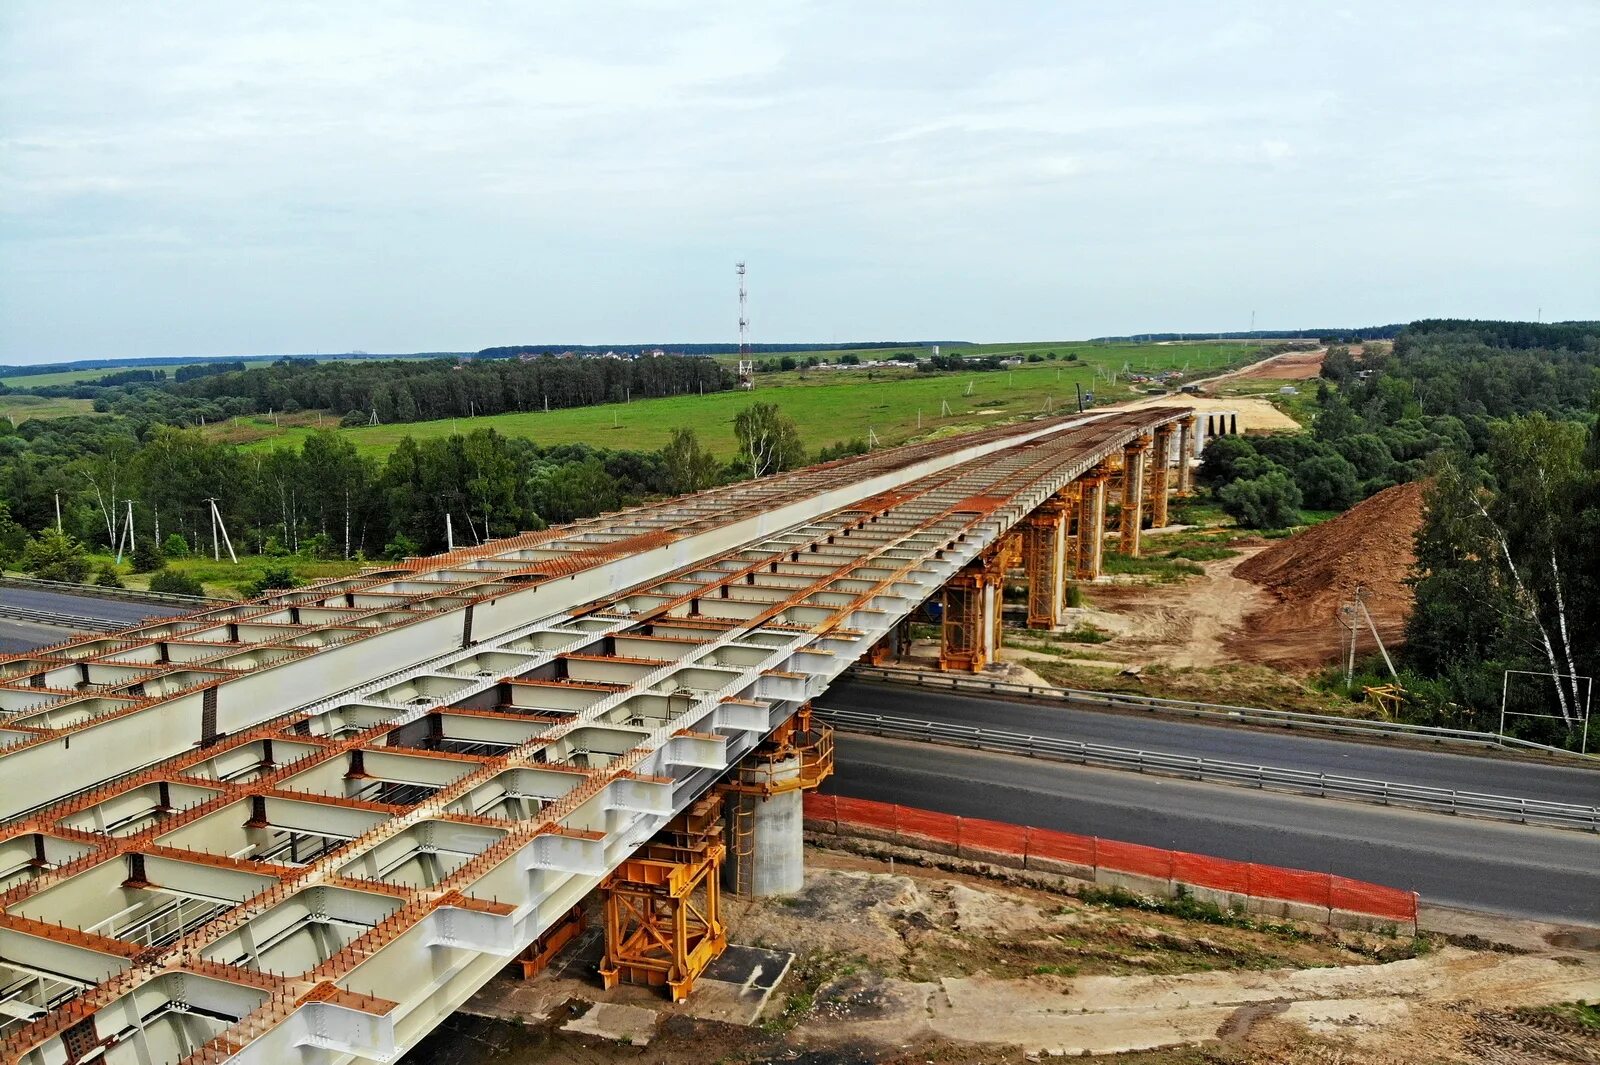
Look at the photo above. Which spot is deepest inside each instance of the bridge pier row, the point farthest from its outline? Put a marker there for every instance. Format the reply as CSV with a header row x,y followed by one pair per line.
x,y
1159,476
762,801
1091,522
1132,519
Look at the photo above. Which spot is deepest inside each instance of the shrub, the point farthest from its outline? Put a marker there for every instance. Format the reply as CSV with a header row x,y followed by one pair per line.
x,y
272,577
1328,482
402,546
108,578
54,556
1270,501
354,419
318,546
175,546
175,582
146,557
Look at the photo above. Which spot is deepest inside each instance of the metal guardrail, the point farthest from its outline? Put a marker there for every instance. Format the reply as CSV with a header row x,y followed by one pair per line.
x,y
56,617
195,602
1242,715
1215,771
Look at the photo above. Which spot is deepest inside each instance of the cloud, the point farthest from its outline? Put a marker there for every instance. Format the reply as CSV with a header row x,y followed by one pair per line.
x,y
898,169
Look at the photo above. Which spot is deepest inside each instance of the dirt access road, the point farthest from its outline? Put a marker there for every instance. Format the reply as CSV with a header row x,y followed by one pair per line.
x,y
1290,366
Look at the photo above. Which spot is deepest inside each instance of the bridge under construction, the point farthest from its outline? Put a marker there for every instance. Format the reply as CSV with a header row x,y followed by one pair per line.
x,y
307,827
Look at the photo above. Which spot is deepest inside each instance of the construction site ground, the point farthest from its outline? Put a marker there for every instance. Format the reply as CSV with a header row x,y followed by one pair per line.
x,y
1254,627
898,961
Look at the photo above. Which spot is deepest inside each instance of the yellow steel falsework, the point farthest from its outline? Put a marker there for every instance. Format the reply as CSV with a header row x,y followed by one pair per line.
x,y
662,906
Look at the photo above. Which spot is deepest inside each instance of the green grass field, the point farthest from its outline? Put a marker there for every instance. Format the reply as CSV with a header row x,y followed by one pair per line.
x,y
224,579
72,377
20,408
829,406
1084,348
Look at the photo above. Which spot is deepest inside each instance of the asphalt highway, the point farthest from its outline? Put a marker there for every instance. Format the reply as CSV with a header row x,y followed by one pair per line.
x,y
120,611
1521,778
17,637
1547,874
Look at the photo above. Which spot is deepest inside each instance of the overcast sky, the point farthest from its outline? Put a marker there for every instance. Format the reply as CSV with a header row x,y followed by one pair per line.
x,y
229,178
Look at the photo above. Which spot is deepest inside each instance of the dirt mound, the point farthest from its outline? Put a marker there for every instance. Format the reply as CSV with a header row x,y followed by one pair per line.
x,y
1311,573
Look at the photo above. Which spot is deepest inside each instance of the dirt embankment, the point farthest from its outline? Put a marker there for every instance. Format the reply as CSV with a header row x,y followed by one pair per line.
x,y
1310,574
1290,366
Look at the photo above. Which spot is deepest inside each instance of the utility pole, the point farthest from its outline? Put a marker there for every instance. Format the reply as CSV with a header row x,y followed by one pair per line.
x,y
58,512
449,533
216,524
125,536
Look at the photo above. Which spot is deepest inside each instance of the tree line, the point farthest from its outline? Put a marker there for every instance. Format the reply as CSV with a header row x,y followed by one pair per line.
x,y
324,499
390,391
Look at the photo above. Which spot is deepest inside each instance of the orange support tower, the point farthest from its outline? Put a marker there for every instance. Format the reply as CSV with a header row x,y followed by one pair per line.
x,y
1160,460
969,637
662,921
1089,544
1044,539
1133,458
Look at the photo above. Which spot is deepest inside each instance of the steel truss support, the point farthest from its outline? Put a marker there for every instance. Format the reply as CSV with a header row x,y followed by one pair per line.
x,y
1091,537
970,623
1044,551
1161,459
1188,438
663,925
1133,456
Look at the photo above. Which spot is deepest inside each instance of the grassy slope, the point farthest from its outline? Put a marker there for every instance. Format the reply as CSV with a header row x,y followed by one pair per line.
x,y
20,408
829,406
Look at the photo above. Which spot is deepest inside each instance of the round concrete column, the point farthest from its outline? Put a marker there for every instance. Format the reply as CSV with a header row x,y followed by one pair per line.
x,y
766,842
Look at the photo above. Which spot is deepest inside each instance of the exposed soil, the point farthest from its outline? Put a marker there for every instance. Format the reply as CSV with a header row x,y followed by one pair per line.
x,y
1290,366
1310,574
1256,414
909,964
1186,624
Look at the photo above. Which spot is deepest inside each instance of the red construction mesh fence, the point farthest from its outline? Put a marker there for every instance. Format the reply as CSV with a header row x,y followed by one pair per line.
x,y
1206,871
995,836
925,824
1135,858
1061,846
1321,890
1358,896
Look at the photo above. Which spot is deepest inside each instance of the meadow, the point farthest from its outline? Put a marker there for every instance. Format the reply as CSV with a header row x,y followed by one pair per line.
x,y
72,377
830,406
223,578
20,408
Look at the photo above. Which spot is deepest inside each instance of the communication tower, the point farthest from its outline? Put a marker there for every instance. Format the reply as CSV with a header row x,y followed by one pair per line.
x,y
747,366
